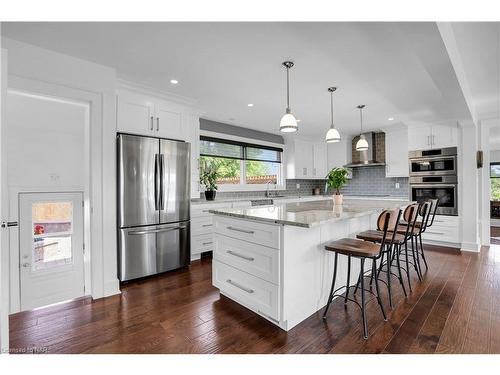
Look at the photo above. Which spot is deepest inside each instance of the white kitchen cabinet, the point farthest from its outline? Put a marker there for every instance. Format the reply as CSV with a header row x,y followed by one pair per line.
x,y
168,121
396,153
135,114
431,136
306,159
338,153
320,160
444,136
144,115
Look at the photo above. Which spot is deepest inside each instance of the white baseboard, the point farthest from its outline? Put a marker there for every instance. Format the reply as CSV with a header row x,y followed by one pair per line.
x,y
471,246
111,287
195,257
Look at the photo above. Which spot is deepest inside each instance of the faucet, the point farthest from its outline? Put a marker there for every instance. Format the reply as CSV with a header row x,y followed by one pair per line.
x,y
267,188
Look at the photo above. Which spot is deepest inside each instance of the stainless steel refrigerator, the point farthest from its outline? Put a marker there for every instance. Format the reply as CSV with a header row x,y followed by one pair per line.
x,y
153,206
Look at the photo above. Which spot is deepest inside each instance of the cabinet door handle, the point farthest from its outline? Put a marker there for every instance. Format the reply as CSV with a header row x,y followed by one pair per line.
x,y
250,259
433,139
304,171
314,171
206,225
157,124
248,290
241,230
152,123
207,243
428,140
435,232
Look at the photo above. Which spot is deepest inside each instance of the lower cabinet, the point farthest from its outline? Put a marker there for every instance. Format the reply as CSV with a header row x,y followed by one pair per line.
x,y
445,229
252,292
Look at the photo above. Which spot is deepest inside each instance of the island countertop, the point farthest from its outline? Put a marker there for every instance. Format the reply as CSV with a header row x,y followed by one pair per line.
x,y
309,214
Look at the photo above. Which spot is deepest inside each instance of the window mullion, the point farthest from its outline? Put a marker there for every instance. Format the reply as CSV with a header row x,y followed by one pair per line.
x,y
243,175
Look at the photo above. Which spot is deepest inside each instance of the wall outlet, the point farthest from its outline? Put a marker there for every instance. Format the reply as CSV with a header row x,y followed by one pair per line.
x,y
297,186
397,185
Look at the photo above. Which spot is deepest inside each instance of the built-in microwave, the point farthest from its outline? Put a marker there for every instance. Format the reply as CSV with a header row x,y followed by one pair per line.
x,y
436,162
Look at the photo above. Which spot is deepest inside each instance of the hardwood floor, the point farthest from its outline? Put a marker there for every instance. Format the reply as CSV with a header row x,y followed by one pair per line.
x,y
455,309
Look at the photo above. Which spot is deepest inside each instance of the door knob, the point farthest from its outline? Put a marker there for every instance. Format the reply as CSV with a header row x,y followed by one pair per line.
x,y
26,265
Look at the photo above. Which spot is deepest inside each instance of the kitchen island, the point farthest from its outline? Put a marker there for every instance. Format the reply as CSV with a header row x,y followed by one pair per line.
x,y
271,259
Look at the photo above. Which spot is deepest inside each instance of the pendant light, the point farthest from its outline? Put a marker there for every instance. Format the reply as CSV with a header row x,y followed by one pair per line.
x,y
332,135
361,144
288,123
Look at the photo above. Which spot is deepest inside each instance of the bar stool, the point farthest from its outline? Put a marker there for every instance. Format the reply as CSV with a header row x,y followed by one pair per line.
x,y
362,250
400,239
434,203
415,234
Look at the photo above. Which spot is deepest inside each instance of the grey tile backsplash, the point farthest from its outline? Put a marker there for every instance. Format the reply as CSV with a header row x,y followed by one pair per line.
x,y
372,181
365,181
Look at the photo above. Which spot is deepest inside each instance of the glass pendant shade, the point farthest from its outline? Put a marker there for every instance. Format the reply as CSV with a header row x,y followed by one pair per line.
x,y
288,123
361,144
332,136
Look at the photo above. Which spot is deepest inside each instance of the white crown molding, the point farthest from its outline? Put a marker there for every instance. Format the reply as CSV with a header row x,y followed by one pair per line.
x,y
148,90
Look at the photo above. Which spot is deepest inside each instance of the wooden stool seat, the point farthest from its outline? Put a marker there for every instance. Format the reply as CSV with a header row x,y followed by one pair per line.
x,y
354,247
412,231
377,235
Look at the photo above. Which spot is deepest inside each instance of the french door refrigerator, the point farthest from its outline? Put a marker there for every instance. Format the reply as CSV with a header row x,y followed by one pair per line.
x,y
153,205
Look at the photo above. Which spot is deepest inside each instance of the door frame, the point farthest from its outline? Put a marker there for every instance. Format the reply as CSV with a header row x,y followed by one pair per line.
x,y
485,193
92,191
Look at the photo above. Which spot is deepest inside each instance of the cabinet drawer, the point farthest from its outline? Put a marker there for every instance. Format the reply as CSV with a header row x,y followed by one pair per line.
x,y
441,233
202,243
202,225
445,221
254,259
256,294
261,234
200,210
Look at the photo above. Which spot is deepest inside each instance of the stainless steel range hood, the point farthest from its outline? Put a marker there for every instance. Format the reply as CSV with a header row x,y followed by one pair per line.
x,y
374,156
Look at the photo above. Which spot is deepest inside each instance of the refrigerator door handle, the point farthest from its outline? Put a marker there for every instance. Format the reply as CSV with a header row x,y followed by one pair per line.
x,y
157,192
138,232
162,185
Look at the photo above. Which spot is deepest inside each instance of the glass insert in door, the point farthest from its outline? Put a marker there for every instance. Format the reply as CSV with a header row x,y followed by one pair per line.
x,y
52,225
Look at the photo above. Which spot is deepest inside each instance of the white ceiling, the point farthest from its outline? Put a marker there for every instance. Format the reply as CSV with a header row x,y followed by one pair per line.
x,y
399,70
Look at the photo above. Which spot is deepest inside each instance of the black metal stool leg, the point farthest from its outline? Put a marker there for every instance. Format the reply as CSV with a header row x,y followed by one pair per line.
x,y
399,270
417,255
348,278
388,269
422,249
379,300
363,307
330,297
407,265
381,264
415,260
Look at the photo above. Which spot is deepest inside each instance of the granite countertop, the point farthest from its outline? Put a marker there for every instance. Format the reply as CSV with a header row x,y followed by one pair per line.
x,y
309,214
196,201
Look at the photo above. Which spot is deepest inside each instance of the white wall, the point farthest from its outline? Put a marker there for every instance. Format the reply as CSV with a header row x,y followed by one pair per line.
x,y
47,67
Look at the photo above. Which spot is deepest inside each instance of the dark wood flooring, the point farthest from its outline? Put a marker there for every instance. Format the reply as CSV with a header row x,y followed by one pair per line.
x,y
455,309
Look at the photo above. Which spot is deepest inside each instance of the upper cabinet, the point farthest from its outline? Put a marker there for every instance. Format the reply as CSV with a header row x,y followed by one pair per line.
x,y
306,159
139,114
338,154
396,152
431,136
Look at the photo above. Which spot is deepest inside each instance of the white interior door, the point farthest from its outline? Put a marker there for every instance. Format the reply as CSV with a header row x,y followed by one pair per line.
x,y
51,248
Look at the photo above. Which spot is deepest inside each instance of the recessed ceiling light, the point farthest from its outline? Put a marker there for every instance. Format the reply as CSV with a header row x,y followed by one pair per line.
x,y
174,81
250,104
298,120
391,119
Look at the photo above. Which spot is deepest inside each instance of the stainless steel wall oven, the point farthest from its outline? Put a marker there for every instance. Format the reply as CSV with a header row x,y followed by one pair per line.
x,y
433,174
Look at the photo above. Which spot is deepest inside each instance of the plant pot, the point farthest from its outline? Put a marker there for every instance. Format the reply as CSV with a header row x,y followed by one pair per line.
x,y
210,195
337,199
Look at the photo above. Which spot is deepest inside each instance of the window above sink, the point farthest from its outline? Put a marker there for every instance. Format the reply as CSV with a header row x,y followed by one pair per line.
x,y
242,166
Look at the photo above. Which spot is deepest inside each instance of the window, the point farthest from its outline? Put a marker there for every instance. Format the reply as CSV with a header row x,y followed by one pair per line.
x,y
240,163
495,181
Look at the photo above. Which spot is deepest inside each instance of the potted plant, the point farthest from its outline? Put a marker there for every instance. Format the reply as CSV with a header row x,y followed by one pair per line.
x,y
208,177
336,179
